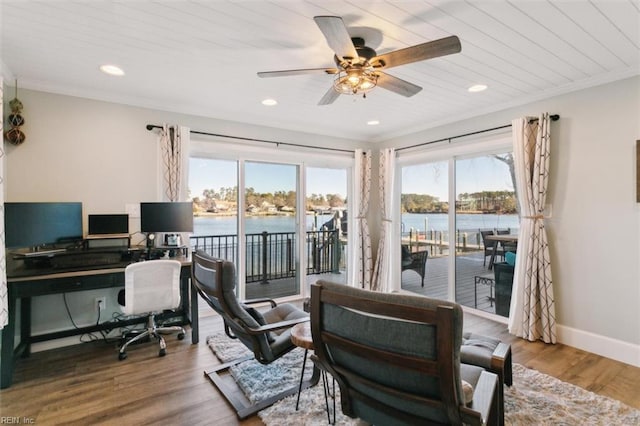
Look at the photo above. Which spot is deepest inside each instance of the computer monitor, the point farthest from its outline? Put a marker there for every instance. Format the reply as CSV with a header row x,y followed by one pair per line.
x,y
35,225
108,224
166,217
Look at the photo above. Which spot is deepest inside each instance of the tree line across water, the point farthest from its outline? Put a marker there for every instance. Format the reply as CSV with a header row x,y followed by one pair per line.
x,y
483,202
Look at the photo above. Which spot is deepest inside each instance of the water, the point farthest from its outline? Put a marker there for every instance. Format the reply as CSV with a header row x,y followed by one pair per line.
x,y
226,225
464,222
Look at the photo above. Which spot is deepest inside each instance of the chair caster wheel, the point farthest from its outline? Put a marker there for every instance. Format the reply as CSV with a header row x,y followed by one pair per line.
x,y
122,355
162,352
180,336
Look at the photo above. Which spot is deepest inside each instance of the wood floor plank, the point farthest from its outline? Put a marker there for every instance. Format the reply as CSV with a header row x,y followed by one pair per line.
x,y
86,384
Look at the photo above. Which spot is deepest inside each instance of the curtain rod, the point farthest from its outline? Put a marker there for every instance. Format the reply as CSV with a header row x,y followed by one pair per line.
x,y
195,132
554,117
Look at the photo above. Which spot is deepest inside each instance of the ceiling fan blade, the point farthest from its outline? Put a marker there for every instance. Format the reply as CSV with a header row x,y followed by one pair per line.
x,y
285,73
337,36
397,85
329,97
420,52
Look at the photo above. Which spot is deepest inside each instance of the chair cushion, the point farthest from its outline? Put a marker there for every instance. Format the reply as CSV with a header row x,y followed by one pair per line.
x,y
477,349
510,258
283,312
256,315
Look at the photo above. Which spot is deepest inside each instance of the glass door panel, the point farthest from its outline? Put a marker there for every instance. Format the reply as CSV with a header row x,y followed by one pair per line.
x,y
271,260
326,225
424,204
485,206
213,187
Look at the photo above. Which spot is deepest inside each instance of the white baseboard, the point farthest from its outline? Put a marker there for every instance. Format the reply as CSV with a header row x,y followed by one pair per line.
x,y
600,345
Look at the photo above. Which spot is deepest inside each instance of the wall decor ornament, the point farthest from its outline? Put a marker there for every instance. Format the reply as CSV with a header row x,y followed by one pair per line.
x,y
14,135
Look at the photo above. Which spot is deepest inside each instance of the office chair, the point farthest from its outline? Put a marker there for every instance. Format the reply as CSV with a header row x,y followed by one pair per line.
x,y
151,287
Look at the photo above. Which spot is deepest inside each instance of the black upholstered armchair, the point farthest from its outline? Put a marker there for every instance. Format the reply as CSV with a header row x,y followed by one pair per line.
x,y
396,358
267,334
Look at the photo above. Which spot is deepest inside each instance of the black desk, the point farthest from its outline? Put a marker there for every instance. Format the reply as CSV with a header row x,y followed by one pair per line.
x,y
25,283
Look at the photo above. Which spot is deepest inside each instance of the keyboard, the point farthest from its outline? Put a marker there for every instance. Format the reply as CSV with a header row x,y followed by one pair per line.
x,y
78,260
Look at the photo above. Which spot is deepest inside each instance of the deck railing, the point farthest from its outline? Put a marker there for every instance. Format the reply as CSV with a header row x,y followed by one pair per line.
x,y
437,242
271,256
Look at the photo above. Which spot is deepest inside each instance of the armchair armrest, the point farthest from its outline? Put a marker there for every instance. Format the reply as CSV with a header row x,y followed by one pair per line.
x,y
260,300
275,326
484,401
501,361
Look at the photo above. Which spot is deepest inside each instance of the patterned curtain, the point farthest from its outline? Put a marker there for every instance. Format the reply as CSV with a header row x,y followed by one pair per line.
x,y
174,158
173,172
382,273
4,313
532,305
361,256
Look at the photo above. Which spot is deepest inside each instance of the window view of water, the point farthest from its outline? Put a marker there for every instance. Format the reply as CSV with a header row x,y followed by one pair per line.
x,y
226,225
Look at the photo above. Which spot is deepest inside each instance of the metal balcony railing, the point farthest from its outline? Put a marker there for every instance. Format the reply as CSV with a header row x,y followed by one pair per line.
x,y
271,256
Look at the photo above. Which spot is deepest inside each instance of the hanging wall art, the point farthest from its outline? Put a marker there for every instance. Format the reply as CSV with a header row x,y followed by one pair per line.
x,y
14,135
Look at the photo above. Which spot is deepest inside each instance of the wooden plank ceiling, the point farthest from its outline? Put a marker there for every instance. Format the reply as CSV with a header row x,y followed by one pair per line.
x,y
201,57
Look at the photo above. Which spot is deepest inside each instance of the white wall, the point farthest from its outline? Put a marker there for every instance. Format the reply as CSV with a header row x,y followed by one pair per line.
x,y
101,154
595,229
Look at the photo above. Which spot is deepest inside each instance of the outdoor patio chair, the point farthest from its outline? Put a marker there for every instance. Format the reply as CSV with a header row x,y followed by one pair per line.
x,y
488,246
267,334
396,358
415,261
512,247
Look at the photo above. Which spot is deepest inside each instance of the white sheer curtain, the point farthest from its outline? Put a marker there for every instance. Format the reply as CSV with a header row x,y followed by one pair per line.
x,y
532,304
361,256
4,313
383,271
173,163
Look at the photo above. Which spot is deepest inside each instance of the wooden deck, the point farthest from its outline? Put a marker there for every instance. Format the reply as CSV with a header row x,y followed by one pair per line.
x,y
468,266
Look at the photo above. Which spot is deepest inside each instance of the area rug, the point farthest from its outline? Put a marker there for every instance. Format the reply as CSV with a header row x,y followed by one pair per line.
x,y
534,398
259,381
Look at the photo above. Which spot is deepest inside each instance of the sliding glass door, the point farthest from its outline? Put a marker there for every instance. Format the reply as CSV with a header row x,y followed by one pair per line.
x,y
270,231
486,207
424,204
326,229
462,210
284,225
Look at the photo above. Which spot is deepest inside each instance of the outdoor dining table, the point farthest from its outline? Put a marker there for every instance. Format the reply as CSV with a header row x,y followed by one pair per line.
x,y
499,238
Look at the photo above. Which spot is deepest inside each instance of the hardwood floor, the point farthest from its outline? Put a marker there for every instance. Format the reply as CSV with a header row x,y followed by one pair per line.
x,y
86,384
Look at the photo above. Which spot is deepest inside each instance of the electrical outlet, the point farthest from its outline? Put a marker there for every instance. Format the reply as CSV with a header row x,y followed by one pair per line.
x,y
101,303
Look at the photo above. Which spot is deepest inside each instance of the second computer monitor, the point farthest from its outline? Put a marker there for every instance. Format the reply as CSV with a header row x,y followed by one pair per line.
x,y
166,217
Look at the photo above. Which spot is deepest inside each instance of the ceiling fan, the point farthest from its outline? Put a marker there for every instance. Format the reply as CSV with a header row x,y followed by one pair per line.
x,y
359,68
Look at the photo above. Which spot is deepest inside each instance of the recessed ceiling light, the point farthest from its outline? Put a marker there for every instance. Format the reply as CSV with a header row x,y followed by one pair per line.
x,y
112,70
477,88
373,122
269,102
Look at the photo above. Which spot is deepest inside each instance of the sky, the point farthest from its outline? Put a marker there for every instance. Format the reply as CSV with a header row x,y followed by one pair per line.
x,y
263,177
473,175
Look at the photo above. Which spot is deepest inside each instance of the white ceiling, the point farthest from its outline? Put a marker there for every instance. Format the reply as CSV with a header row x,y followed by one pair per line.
x,y
201,57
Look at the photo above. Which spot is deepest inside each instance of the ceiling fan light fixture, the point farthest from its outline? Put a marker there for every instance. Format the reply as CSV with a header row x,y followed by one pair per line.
x,y
355,82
